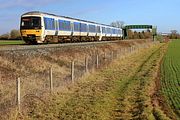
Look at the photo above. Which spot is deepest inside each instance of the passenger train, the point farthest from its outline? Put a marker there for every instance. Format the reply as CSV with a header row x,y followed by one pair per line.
x,y
38,27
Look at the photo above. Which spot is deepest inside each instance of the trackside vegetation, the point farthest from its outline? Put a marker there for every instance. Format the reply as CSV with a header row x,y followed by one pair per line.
x,y
123,90
170,77
11,42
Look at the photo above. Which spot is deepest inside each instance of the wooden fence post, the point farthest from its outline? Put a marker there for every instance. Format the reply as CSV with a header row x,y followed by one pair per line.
x,y
104,56
115,54
18,93
51,79
97,61
72,71
86,64
105,59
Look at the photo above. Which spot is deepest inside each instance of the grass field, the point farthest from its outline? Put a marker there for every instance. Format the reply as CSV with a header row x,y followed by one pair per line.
x,y
170,80
11,42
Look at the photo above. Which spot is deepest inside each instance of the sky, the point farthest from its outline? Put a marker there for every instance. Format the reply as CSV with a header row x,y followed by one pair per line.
x,y
161,13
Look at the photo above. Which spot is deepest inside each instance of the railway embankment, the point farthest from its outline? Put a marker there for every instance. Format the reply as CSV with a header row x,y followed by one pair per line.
x,y
57,73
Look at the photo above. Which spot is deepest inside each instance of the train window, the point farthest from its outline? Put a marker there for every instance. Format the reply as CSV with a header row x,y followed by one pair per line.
x,y
61,24
68,25
108,30
35,22
76,26
49,23
83,27
64,25
31,23
98,29
92,28
103,30
114,31
26,22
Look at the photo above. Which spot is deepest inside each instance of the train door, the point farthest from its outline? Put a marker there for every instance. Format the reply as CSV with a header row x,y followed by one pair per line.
x,y
56,27
100,36
72,28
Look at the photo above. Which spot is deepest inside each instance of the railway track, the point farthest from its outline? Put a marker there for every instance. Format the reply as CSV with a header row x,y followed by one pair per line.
x,y
47,46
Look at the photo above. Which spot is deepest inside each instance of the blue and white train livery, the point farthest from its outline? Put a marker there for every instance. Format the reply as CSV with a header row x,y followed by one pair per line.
x,y
39,27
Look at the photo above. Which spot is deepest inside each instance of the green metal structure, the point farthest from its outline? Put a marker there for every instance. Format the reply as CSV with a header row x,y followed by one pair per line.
x,y
127,27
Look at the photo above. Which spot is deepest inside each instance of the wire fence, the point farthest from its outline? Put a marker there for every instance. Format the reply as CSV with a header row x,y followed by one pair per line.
x,y
15,89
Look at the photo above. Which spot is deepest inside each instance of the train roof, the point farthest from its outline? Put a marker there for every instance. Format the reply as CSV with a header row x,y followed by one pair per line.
x,y
38,12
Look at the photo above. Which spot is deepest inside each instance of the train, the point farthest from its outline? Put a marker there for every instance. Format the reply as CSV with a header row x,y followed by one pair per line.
x,y
39,27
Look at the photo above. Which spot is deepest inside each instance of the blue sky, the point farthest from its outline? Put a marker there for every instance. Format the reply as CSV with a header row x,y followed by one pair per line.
x,y
162,13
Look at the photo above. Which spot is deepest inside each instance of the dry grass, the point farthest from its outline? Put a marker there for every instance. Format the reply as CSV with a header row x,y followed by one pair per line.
x,y
111,93
34,72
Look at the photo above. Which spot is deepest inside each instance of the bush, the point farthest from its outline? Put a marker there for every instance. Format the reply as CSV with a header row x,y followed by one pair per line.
x,y
159,38
14,34
4,36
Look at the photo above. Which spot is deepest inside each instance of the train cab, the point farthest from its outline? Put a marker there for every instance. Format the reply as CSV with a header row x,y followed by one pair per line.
x,y
31,29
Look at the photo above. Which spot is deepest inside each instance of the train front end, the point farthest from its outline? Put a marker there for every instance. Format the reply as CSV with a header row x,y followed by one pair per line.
x,y
31,29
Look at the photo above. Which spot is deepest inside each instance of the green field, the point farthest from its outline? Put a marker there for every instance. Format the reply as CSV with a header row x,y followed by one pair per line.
x,y
11,42
170,80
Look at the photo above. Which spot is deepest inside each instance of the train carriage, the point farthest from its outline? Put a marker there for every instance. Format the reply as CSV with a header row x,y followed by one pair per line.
x,y
39,27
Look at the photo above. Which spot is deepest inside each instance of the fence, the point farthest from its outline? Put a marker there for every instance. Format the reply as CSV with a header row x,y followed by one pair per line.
x,y
13,94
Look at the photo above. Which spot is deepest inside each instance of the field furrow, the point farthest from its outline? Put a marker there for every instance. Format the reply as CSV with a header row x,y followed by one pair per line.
x,y
170,80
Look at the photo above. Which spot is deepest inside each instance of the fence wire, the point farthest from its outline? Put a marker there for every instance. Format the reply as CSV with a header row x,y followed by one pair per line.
x,y
37,81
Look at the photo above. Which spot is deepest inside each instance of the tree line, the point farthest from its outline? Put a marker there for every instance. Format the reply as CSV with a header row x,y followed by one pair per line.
x,y
174,35
139,35
133,34
13,35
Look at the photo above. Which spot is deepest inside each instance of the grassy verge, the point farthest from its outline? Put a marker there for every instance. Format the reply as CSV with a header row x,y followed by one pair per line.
x,y
122,91
11,42
135,96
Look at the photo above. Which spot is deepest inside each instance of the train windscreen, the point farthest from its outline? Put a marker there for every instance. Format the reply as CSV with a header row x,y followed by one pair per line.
x,y
30,23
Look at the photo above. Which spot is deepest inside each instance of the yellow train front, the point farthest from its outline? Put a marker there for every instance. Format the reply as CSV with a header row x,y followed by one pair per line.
x,y
31,28
38,27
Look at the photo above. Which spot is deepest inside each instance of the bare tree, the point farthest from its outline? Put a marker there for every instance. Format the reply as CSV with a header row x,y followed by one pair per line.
x,y
174,34
173,31
118,24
